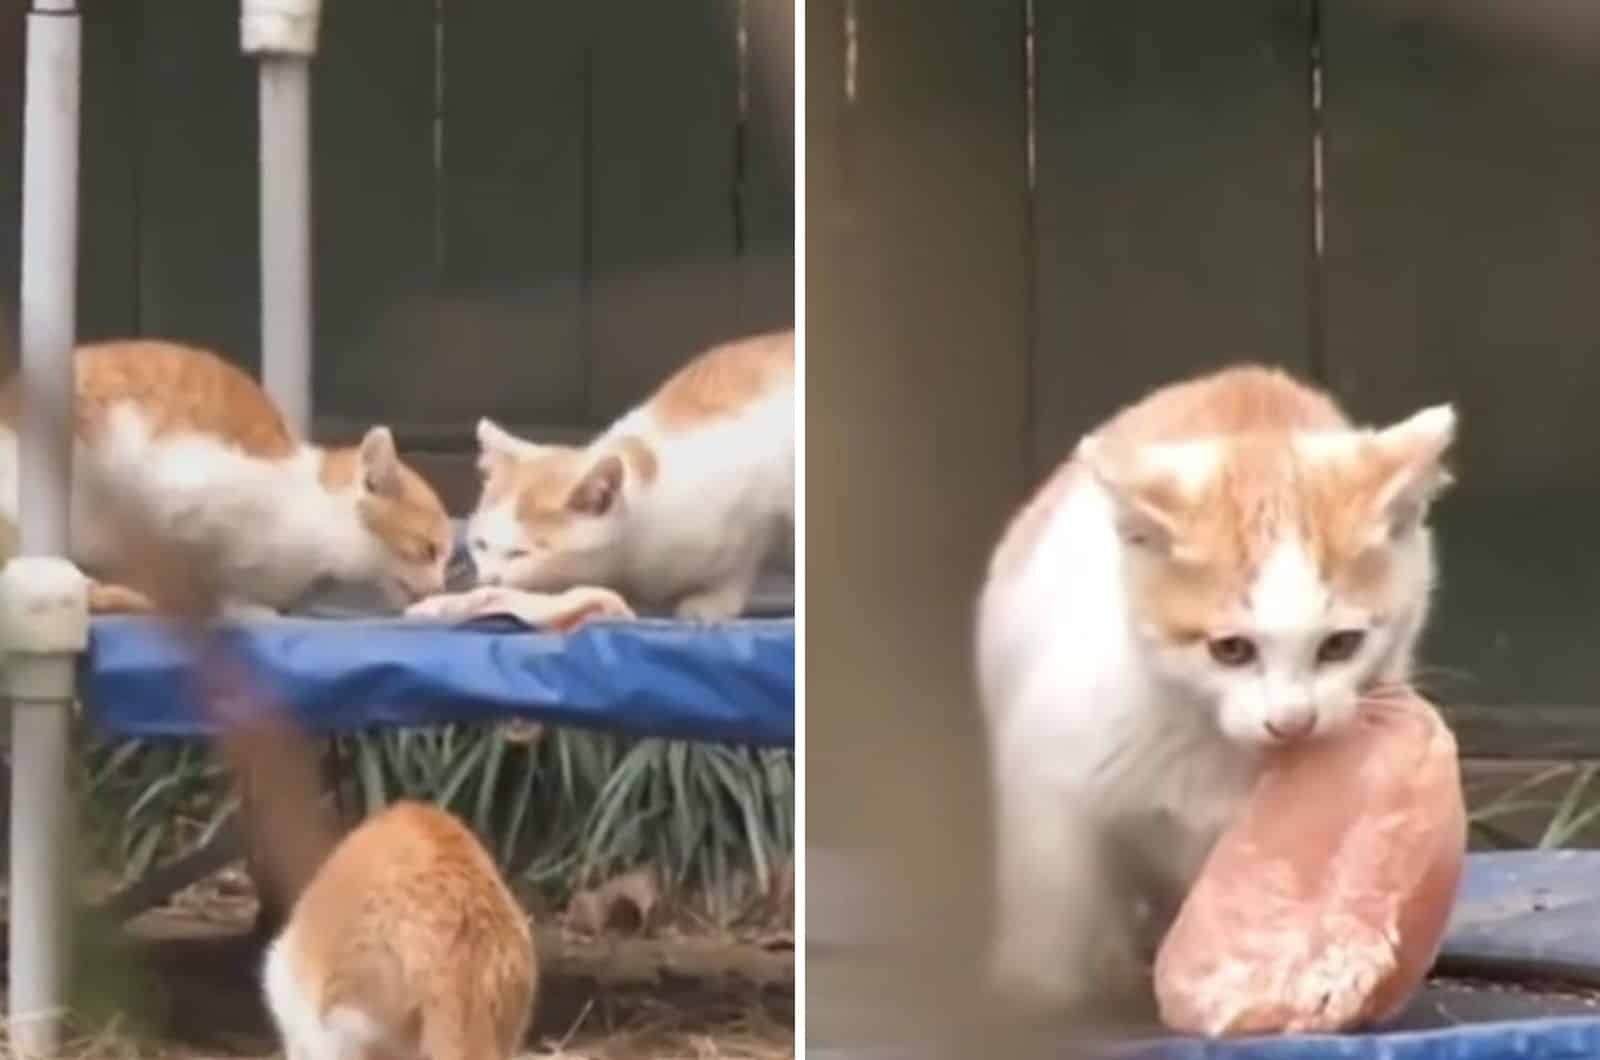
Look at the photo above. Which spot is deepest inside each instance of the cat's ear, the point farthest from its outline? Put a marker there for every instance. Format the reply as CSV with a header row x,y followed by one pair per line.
x,y
498,447
1151,488
597,492
1410,473
380,463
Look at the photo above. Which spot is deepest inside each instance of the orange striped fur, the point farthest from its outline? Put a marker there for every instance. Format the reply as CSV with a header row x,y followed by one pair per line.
x,y
406,942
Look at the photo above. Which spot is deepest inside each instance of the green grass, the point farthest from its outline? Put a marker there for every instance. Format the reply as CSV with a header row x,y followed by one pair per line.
x,y
1552,807
563,810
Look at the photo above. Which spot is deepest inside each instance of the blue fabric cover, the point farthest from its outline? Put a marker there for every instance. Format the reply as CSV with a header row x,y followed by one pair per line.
x,y
1540,1039
729,682
1567,1038
1530,905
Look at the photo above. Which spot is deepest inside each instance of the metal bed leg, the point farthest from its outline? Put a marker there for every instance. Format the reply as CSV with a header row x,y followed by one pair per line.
x,y
45,607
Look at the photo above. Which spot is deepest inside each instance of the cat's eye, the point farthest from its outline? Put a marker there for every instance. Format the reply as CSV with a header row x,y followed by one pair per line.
x,y
1341,646
479,545
517,553
1232,651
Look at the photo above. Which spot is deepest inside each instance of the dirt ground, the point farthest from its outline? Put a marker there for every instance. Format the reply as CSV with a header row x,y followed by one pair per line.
x,y
181,983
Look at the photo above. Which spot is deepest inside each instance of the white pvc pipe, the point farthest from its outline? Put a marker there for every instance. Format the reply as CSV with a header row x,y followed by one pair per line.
x,y
49,269
48,324
40,867
283,35
285,100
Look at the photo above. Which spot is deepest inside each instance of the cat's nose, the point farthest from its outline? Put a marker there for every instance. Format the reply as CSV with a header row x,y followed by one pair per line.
x,y
1291,724
489,579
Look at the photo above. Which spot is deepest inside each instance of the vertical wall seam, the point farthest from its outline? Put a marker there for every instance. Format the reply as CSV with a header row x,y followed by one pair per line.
x,y
1316,311
586,209
1030,264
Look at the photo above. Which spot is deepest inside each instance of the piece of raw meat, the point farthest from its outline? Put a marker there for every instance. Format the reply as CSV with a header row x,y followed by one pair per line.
x,y
1323,907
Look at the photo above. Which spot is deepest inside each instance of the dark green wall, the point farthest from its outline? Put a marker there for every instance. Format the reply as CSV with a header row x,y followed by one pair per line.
x,y
529,211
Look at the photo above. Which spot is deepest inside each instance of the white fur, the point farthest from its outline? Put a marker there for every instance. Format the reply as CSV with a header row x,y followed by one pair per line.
x,y
1083,734
695,537
307,1033
275,525
1291,611
1100,733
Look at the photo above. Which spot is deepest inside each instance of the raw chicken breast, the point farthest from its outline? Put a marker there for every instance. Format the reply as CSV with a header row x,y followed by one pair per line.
x,y
1323,908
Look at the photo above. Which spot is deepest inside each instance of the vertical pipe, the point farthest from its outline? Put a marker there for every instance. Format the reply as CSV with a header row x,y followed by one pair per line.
x,y
49,267
40,883
282,36
285,100
39,817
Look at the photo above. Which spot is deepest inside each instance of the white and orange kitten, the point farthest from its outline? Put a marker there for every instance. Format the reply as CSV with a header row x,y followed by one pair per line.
x,y
406,945
202,447
677,505
1224,566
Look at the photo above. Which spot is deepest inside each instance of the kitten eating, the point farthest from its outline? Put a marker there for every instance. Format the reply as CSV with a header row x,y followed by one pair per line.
x,y
197,441
1224,566
676,505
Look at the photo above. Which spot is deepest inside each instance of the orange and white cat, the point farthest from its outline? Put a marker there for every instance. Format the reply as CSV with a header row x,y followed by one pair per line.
x,y
676,505
407,945
1224,566
198,442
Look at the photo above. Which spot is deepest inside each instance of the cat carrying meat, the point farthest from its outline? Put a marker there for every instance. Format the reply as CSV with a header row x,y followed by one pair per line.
x,y
1224,566
405,944
199,443
677,505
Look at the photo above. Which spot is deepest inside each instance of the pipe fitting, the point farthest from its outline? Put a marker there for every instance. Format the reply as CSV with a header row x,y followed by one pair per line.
x,y
44,607
279,27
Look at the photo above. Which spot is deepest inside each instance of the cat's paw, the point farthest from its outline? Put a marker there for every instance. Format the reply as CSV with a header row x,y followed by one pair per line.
x,y
713,605
1081,977
1025,979
108,599
246,611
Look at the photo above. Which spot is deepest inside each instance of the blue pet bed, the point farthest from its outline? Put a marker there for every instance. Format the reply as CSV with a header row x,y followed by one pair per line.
x,y
730,682
342,660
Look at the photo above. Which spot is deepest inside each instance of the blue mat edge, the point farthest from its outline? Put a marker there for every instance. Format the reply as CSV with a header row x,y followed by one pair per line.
x,y
728,682
1565,1038
1558,1038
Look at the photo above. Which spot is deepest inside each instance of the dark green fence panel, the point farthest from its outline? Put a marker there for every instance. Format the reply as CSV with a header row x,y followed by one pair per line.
x,y
199,275
13,30
524,211
373,216
663,118
766,186
1173,205
515,209
1462,229
108,167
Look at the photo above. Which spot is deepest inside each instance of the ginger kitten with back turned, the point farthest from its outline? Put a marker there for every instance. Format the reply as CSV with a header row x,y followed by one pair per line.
x,y
1225,566
405,945
198,442
676,505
